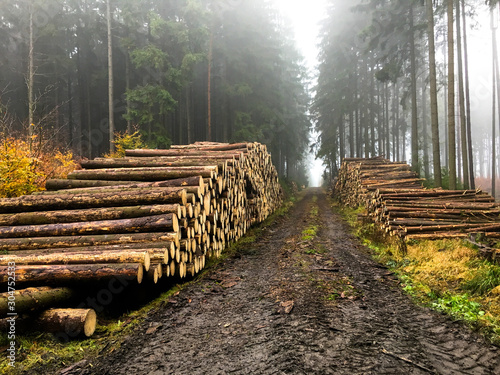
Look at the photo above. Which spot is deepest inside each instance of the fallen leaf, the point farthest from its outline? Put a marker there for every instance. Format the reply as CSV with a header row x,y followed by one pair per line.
x,y
227,325
288,306
153,328
229,284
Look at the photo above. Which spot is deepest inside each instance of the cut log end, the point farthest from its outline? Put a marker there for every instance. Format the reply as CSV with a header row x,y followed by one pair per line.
x,y
90,323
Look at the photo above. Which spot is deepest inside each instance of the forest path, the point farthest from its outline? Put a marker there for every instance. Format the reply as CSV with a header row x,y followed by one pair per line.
x,y
286,304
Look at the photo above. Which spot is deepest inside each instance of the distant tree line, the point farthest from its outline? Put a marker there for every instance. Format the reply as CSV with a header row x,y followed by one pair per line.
x,y
394,81
178,71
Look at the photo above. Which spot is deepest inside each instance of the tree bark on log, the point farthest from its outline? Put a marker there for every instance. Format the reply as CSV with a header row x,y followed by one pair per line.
x,y
98,200
93,214
34,299
166,222
73,273
187,153
13,244
151,163
59,184
85,257
196,190
94,185
169,246
143,174
71,322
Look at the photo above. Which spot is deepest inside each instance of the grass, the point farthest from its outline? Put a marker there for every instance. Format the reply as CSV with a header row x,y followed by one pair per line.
x,y
449,276
35,349
309,233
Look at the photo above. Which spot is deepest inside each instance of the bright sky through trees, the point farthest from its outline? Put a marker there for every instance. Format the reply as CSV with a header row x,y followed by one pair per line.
x,y
305,17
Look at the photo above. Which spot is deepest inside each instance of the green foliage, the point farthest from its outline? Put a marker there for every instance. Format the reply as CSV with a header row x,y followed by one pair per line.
x,y
125,141
246,129
309,233
484,280
149,56
459,306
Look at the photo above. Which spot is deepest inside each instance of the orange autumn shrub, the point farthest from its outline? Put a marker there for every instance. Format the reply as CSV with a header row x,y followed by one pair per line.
x,y
25,168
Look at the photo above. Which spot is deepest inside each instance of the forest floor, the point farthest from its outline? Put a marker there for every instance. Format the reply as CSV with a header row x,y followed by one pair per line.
x,y
304,298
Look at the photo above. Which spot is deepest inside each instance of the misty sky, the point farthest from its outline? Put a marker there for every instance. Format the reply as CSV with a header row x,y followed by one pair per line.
x,y
306,16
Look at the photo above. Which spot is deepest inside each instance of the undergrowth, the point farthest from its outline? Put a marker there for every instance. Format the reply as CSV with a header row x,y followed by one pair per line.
x,y
449,276
125,141
25,166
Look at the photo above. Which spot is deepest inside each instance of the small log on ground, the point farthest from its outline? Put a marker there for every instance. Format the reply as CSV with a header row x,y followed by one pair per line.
x,y
72,322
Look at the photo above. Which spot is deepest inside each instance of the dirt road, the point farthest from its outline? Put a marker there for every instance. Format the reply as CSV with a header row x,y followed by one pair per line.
x,y
289,304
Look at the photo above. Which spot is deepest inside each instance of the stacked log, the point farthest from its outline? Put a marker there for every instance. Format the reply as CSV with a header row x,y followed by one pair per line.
x,y
150,215
358,178
397,202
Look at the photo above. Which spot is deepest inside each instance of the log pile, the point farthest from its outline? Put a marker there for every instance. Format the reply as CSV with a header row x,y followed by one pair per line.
x,y
358,178
396,200
150,215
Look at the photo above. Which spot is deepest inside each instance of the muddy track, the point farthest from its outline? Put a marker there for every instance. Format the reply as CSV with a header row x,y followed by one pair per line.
x,y
286,305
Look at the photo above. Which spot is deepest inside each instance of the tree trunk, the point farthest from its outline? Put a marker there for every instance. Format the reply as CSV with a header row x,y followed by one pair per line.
x,y
386,118
493,115
127,88
452,154
461,98
425,133
31,79
110,81
372,115
209,87
467,101
414,109
436,152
